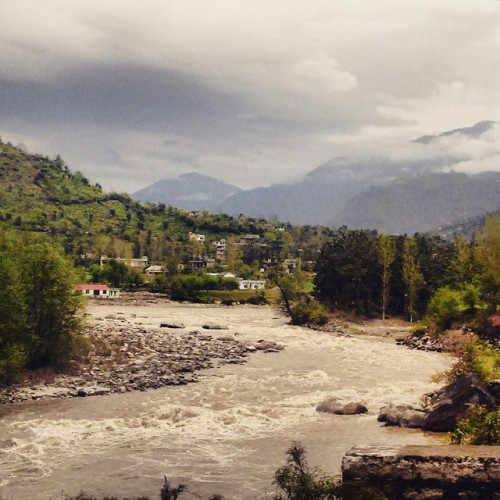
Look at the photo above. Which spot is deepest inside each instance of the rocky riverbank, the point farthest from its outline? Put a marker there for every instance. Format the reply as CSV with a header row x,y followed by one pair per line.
x,y
128,354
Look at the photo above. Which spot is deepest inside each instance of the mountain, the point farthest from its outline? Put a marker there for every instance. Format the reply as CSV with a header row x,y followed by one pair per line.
x,y
475,131
421,203
191,191
318,196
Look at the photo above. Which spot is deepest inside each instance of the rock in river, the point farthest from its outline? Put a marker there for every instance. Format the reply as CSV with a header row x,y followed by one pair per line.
x,y
333,405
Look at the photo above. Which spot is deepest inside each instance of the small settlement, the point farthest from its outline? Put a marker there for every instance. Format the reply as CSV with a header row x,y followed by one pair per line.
x,y
212,258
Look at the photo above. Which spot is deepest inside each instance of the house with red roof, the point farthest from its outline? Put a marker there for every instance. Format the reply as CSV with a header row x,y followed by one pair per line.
x,y
97,290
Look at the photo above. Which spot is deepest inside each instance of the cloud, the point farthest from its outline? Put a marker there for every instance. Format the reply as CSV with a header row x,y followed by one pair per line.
x,y
256,92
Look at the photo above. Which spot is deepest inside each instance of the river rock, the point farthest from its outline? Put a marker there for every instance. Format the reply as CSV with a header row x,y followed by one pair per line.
x,y
392,414
214,326
355,408
412,418
452,401
171,325
264,345
333,405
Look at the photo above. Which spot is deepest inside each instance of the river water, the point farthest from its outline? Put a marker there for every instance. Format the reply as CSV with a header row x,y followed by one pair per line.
x,y
225,434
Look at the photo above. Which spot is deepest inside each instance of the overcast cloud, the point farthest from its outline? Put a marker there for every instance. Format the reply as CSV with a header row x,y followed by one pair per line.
x,y
253,92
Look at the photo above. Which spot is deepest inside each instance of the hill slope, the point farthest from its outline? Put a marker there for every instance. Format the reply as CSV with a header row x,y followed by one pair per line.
x,y
421,203
191,191
42,195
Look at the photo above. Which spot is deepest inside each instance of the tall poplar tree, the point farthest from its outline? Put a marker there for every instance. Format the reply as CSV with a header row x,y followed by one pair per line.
x,y
387,253
412,275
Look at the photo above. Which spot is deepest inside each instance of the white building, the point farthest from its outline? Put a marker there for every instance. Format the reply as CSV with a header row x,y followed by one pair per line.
x,y
251,284
197,237
97,290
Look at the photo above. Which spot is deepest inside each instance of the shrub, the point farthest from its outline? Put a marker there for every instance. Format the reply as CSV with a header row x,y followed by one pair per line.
x,y
477,357
298,482
308,311
480,425
445,306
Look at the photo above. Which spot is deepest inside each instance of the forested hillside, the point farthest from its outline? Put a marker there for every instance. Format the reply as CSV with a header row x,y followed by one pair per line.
x,y
42,195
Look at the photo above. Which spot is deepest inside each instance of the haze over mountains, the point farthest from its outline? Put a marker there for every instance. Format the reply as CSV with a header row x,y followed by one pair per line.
x,y
191,191
393,195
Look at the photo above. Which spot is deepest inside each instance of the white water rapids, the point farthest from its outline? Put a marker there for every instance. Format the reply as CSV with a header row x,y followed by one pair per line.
x,y
225,434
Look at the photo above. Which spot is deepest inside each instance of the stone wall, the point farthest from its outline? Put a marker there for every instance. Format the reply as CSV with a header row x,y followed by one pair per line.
x,y
422,472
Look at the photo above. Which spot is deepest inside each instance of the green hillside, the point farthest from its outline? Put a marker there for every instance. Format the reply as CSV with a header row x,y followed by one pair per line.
x,y
39,194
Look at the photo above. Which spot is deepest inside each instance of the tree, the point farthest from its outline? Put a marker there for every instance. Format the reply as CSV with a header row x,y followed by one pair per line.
x,y
12,350
488,255
348,271
51,306
387,253
463,261
234,254
412,276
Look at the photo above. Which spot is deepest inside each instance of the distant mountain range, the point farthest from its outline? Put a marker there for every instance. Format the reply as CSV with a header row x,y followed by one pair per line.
x,y
191,191
421,203
378,193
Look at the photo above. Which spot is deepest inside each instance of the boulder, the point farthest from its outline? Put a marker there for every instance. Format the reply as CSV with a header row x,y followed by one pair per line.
x,y
451,402
171,325
330,405
392,414
214,326
264,345
355,408
333,405
412,418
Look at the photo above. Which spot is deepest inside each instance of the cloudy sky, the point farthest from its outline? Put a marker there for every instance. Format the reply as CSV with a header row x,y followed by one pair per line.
x,y
252,91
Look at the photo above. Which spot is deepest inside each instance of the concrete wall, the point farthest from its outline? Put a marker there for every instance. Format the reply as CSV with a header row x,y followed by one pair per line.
x,y
422,472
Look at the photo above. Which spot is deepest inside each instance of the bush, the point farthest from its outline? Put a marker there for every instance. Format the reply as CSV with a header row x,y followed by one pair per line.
x,y
298,482
477,357
480,425
445,306
308,311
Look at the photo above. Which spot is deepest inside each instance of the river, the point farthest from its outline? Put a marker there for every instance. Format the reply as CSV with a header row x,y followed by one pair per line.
x,y
226,433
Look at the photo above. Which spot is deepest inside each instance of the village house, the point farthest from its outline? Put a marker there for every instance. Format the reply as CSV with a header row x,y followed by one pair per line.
x,y
95,290
249,239
154,271
289,265
220,248
197,237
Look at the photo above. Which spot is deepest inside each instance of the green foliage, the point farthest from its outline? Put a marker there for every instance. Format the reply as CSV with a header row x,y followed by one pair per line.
x,y
296,291
387,254
308,312
412,275
117,274
190,286
348,271
488,255
480,425
445,306
40,321
477,357
297,481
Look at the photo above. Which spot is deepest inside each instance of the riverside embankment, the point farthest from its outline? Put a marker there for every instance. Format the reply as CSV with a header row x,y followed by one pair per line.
x,y
226,433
